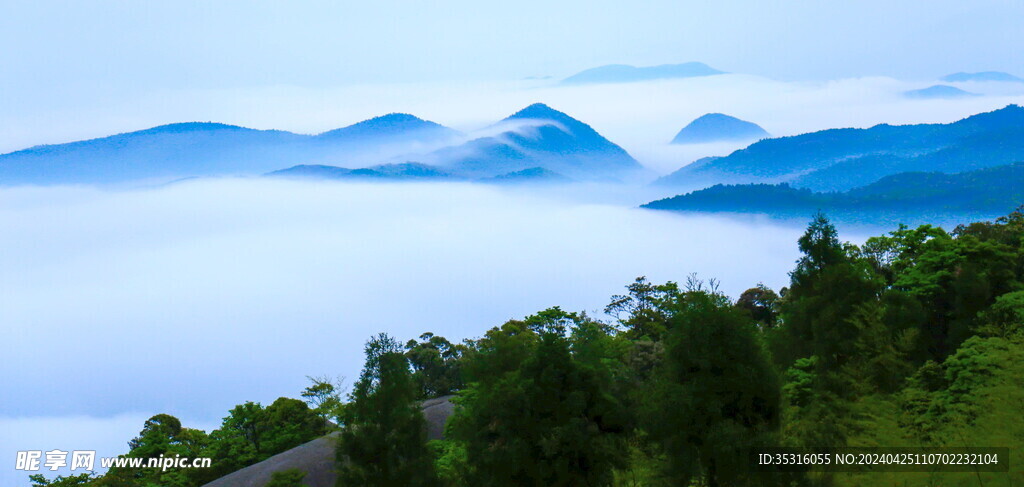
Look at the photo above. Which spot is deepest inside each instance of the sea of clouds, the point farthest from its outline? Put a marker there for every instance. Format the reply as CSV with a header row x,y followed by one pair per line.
x,y
192,297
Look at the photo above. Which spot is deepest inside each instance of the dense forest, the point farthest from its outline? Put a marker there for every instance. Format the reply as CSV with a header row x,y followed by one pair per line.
x,y
915,338
900,196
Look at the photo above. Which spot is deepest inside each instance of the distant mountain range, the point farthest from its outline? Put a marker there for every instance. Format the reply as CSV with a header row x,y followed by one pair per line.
x,y
938,92
408,171
414,171
533,175
535,137
991,191
535,144
207,149
842,159
982,76
714,127
622,73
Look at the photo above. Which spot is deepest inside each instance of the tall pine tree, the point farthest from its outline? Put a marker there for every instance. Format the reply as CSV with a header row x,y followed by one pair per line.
x,y
384,441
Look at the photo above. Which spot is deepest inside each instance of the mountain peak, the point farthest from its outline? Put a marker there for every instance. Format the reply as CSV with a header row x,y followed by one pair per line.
x,y
938,91
540,136
388,124
538,111
716,127
393,118
186,127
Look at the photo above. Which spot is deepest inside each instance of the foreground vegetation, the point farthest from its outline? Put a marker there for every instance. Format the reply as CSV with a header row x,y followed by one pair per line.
x,y
915,338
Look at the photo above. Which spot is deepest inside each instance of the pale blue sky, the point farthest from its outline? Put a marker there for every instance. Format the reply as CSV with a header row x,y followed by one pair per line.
x,y
124,45
80,69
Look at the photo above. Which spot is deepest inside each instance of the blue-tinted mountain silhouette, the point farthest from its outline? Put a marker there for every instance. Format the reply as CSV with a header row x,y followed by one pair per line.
x,y
540,136
938,92
990,191
390,127
537,136
533,175
407,171
982,76
621,73
715,127
842,159
183,150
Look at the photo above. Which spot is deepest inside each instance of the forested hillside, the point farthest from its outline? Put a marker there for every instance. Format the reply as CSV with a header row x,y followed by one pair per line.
x,y
915,338
841,159
990,191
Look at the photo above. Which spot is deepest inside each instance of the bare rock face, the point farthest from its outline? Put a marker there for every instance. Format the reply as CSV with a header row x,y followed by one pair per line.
x,y
436,411
316,457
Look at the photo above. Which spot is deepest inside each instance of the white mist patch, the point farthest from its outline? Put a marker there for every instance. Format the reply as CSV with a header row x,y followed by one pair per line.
x,y
526,127
194,297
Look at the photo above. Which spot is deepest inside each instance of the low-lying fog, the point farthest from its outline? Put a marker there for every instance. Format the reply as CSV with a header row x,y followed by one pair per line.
x,y
191,298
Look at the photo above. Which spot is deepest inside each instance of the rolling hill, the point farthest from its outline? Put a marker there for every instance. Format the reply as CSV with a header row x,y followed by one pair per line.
x,y
938,92
182,150
842,159
714,127
396,172
533,175
994,190
535,143
393,127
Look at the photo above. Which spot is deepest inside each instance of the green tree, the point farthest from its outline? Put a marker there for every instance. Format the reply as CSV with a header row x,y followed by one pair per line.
x,y
236,444
539,408
384,441
251,433
949,278
1005,318
643,310
435,363
324,397
81,480
829,282
879,361
547,416
762,303
288,423
161,435
714,396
